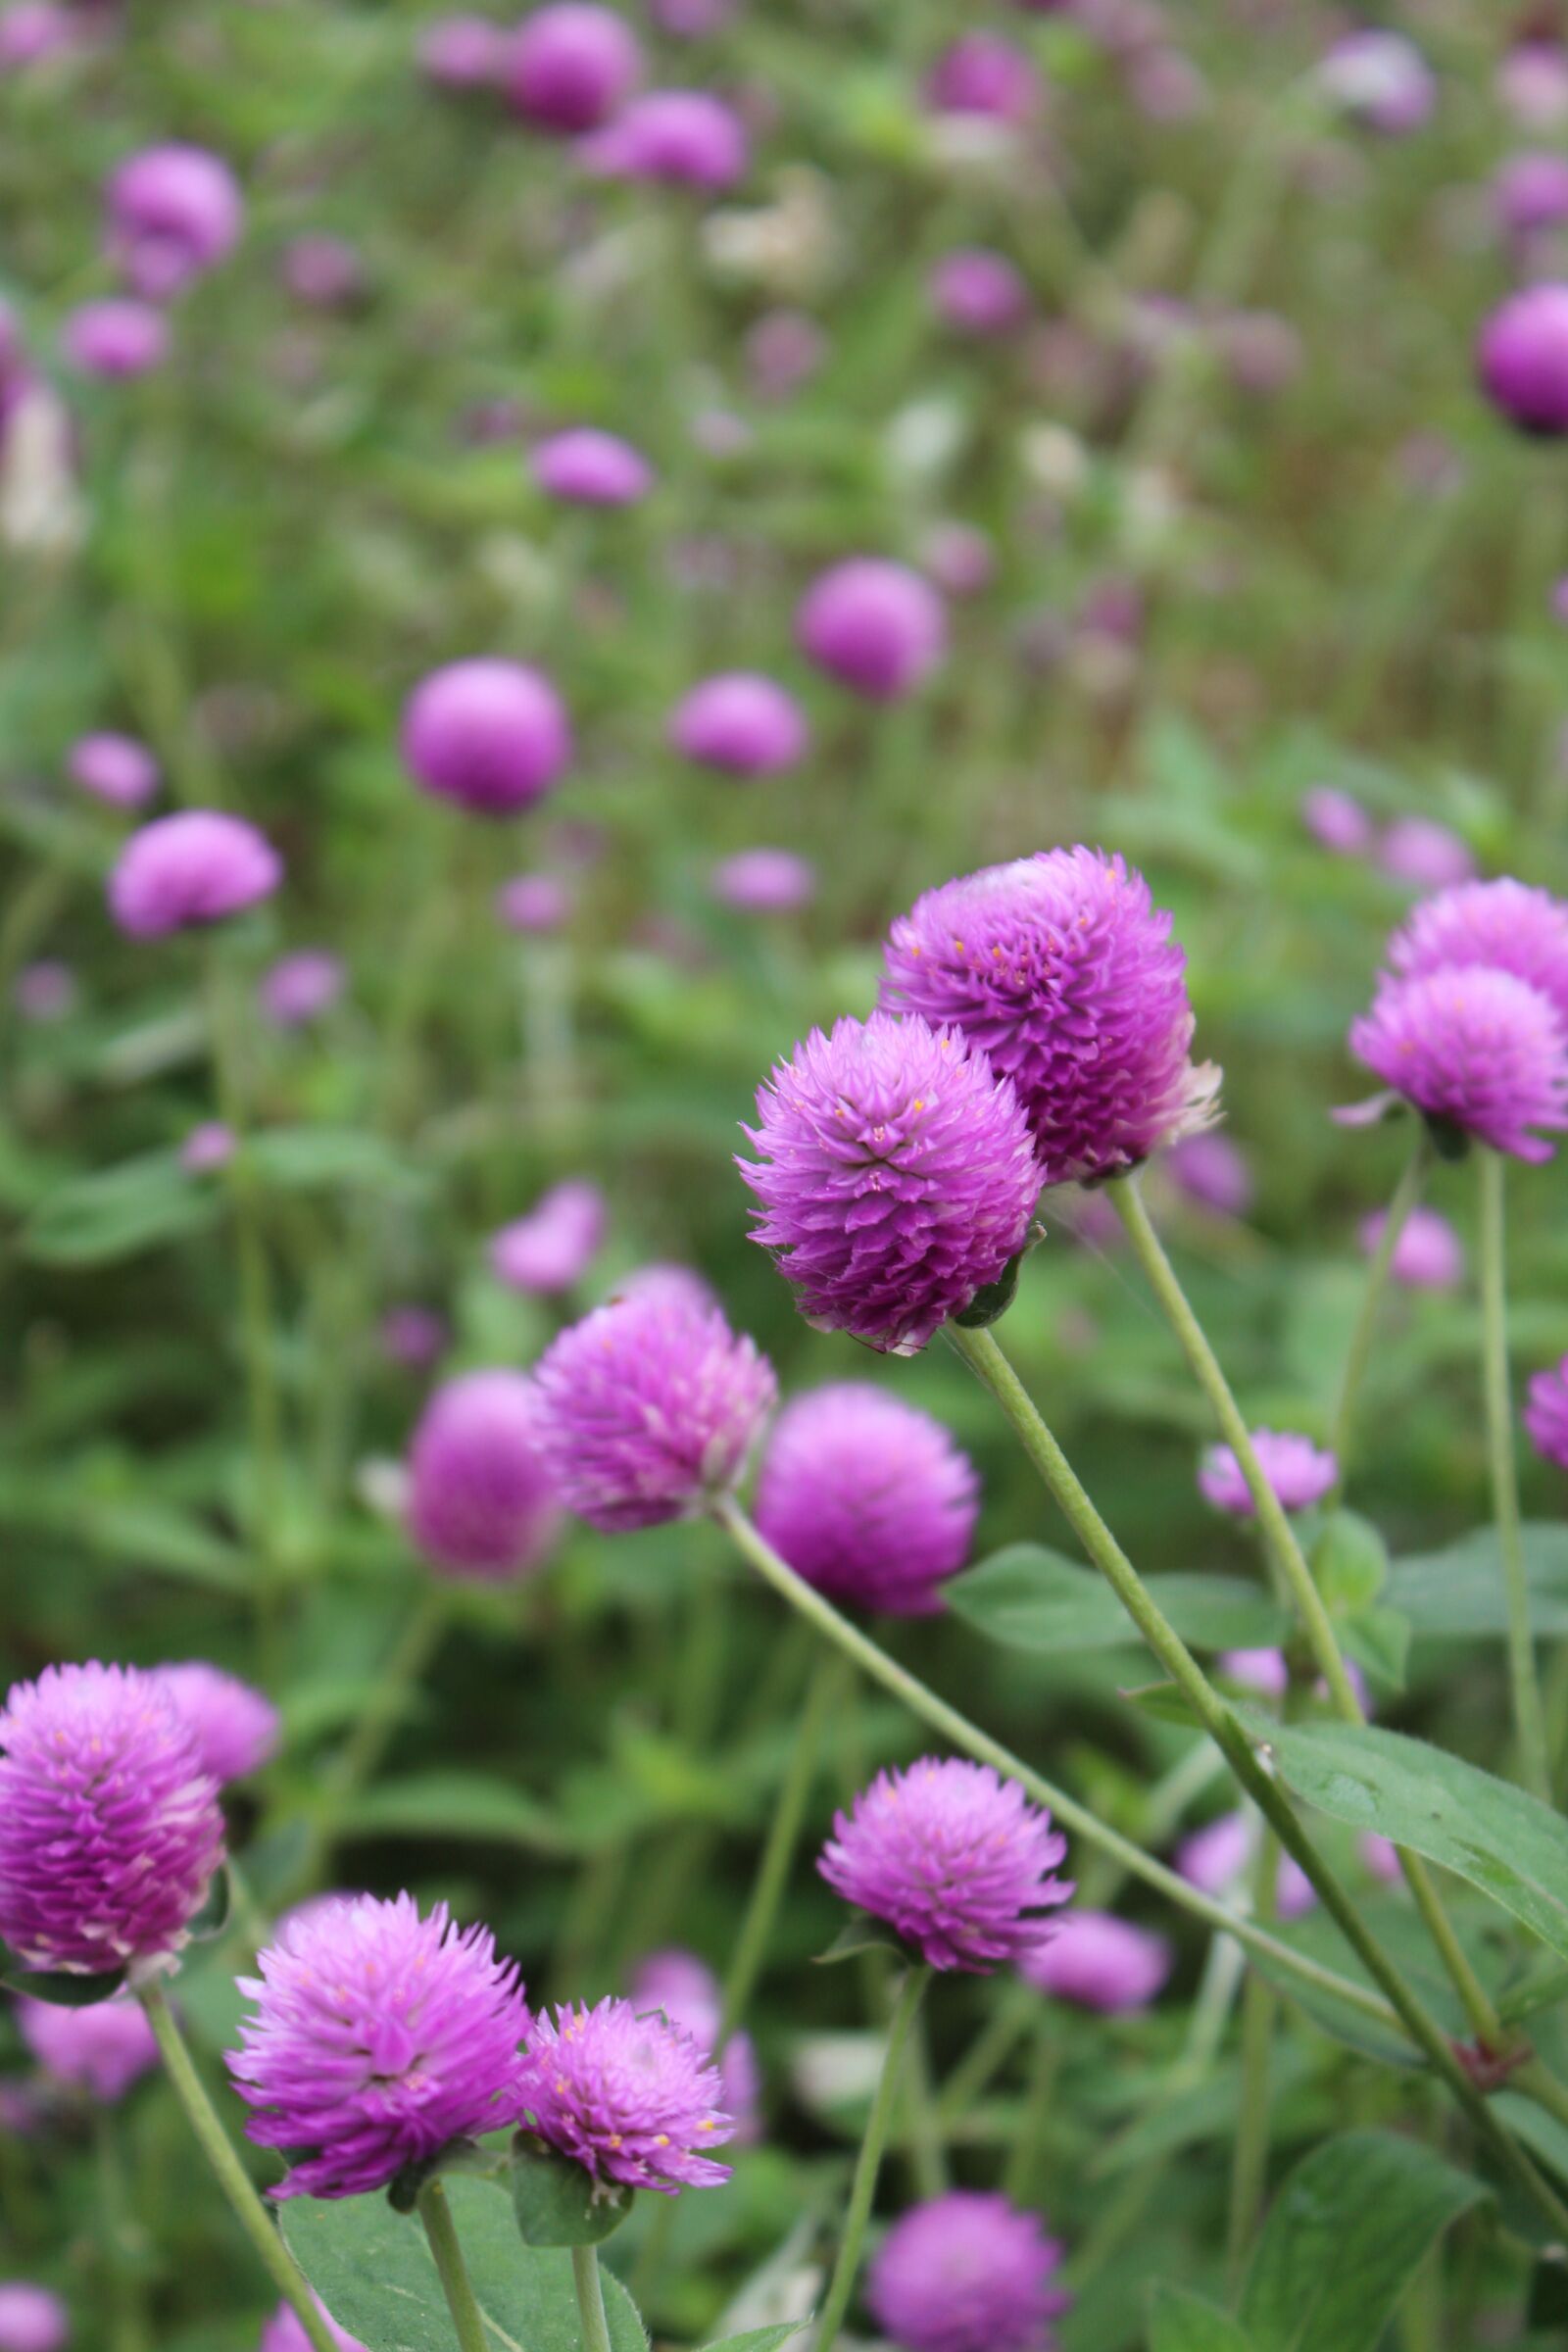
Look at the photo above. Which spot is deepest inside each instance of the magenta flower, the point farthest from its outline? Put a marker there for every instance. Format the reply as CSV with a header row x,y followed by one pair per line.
x,y
1503,923
462,52
983,73
1419,851
553,1246
585,467
648,1409
109,1831
1299,1472
31,2319
966,2272
1062,970
953,1857
210,1145
867,1497
235,1727
377,2037
324,271
978,293
102,2049
173,212
186,870
1264,1670
1427,1255
896,1177
1530,193
534,903
34,30
741,724
1381,80
1217,1858
682,139
116,339
1212,1172
1523,360
877,627
960,558
631,2098
481,1502
283,2332
299,988
491,735
116,768
764,881
571,65
1337,820
688,1992
673,1285
1098,1961
1472,1048
414,1336
1546,1413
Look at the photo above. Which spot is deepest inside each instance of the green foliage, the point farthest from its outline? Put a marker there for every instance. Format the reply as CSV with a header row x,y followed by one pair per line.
x,y
556,2202
1179,2321
1031,1598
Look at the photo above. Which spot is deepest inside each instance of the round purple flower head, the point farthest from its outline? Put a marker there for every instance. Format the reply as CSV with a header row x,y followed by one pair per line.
x,y
109,1831
571,65
1420,851
174,212
740,723
1300,1473
585,467
463,53
1098,1961
301,987
688,1992
682,139
190,869
764,881
1523,360
959,558
236,1727
553,1246
1532,82
1475,1048
377,2037
480,1499
954,1858
210,1145
631,2098
1546,1414
982,74
116,339
1380,78
414,1336
896,1177
102,2049
877,627
978,293
1062,970
1503,923
116,768
534,903
283,2332
1531,194
31,2319
34,30
867,1497
966,2272
324,271
1427,1255
1212,1172
1337,820
1217,1857
491,735
648,1409
674,1286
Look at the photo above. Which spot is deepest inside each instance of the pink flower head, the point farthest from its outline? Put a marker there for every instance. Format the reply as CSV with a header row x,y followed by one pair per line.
x,y
116,768
1217,1858
534,903
953,1857
783,351
764,881
1530,194
740,723
115,338
174,212
31,2318
629,2097
1098,1961
585,467
674,1286
571,65
1472,1048
1381,1856
462,52
1337,822
1212,1172
1546,1413
1063,972
491,735
210,1145
186,870
1533,82
234,1726
376,2036
984,74
553,1246
1427,1255
978,293
102,2049
648,1409
109,1831
1503,923
414,1336
877,627
1264,1670
966,2272
960,558
301,987
1299,1472
481,1502
284,2332
321,271
896,1180
682,139
1420,851
32,31
867,1497
1523,360
1380,78
688,1992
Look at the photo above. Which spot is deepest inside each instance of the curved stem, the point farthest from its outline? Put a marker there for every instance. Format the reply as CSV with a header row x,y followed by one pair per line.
x,y
590,2298
827,1692
1528,1720
1407,1192
441,2230
868,2163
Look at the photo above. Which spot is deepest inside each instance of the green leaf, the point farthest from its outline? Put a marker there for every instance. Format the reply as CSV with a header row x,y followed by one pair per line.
x,y
1179,2321
1165,1702
300,1160
758,2339
556,2202
1344,2238
457,1804
1030,1599
1459,1591
62,1989
861,1935
373,2269
1379,1641
466,2157
118,1212
136,1532
1350,1563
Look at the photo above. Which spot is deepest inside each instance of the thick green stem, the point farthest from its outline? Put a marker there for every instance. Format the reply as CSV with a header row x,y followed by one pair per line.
x,y
441,2230
868,2163
1406,1194
1529,1718
232,2177
590,2298
827,1692
1250,2155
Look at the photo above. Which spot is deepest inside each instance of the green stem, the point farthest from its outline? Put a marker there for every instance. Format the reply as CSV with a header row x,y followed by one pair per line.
x,y
232,2177
990,2050
590,2298
928,2158
128,2330
1528,1720
827,1692
1250,2156
441,2230
868,2163
357,1760
1406,1194
1019,2181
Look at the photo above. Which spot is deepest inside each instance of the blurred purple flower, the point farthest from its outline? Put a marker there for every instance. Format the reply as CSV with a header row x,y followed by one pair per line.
x,y
1098,1961
1474,1049
236,1727
569,66
1419,850
1382,80
115,338
1337,820
31,2318
1546,1413
1523,360
481,1502
102,2049
462,52
534,903
985,74
966,2272
174,212
741,723
1299,1472
45,991
684,138
116,768
491,735
552,1248
283,2332
688,1992
414,1336
1213,1172
1216,1859
876,627
1427,1255
299,988
585,467
764,881
321,271
210,1145
190,870
978,293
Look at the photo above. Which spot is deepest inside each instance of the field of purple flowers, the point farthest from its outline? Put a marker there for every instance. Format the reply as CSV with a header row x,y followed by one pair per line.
x,y
783,1296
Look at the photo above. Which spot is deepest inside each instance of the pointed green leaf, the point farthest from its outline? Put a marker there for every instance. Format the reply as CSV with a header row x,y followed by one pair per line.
x,y
118,1212
759,2340
1460,1591
861,1935
1180,2321
1031,1598
556,2202
59,1988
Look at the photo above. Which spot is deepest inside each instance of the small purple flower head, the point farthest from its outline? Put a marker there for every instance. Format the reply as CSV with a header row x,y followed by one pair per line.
x,y
173,212
571,65
1503,923
534,903
196,867
960,558
688,1992
1337,822
31,2319
109,1831
764,881
324,271
1475,1048
954,1858
1063,971
1546,1414
740,723
1264,1670
1420,851
896,1180
234,1726
553,1246
680,138
115,338
1299,1472
877,627
966,2272
1533,82
1530,194
978,293
414,1336
784,350
1523,360
45,991
1380,78
491,735
1381,1856
585,467
984,74
377,2037
284,2332
1217,1858
648,1408
867,1497
481,1502
1098,1961
102,2049
210,1145
1212,1172
116,768
629,2097
301,987
32,31
1427,1255
462,52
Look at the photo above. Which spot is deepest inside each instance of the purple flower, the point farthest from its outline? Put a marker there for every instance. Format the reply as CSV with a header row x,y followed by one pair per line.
x,y
31,2319
116,768
648,1409
978,293
764,881
534,903
1523,359
1098,1961
867,1497
236,1727
1380,78
683,138
960,558
102,2049
1337,822
462,52
1062,970
377,2037
174,212
784,350
1419,849
896,1177
1427,1255
983,73
299,987
323,270
414,1336
1212,1172
1503,923
210,1145
585,467
109,1831
674,1286
966,2272
34,30
553,1246
688,1992
740,723
1299,1472
1474,1049
877,627
1217,1858
283,2332
115,338
481,1502
631,2098
571,65
1530,193
1264,1670
491,735
1546,1413
190,869
1381,1856
1533,82
954,1858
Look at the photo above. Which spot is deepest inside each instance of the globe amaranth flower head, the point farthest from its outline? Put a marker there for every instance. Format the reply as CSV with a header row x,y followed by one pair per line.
x,y
1523,360
977,292
649,1407
1503,923
876,627
867,1497
569,66
764,881
554,1244
896,1177
481,1502
377,2036
1424,852
491,735
954,1858
1427,1255
629,2097
1299,1472
284,2332
585,467
741,723
1472,1048
688,1992
102,2049
1063,972
1546,1413
195,868
116,339
32,2318
174,212
966,2272
679,138
1217,1858
1098,1961
234,1726
116,768
109,1830
299,987
1212,1172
